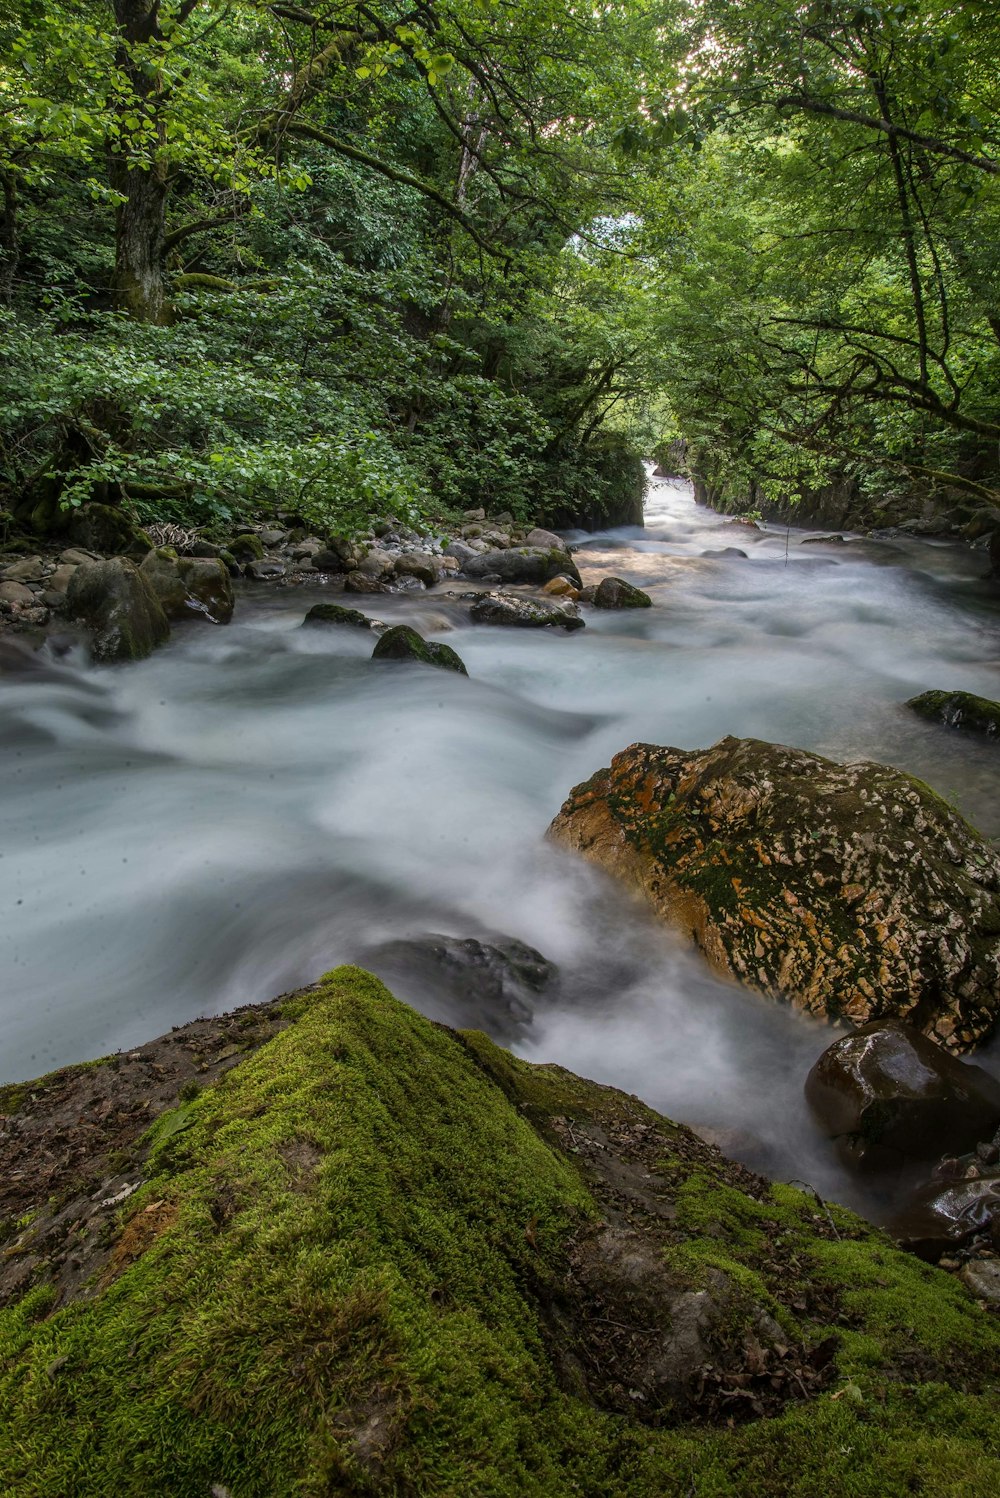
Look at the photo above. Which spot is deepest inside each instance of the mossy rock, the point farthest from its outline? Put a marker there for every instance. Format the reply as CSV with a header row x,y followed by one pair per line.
x,y
106,529
851,890
335,613
246,548
113,599
401,643
377,1257
616,593
960,710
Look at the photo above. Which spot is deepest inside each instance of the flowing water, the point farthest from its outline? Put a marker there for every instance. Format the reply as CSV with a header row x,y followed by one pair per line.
x,y
258,803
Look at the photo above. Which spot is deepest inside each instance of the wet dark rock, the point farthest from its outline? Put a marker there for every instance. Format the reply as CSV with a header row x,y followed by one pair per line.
x,y
273,537
359,582
851,890
616,593
401,643
522,564
888,1094
944,1214
727,551
834,540
201,548
267,571
326,560
335,613
113,600
104,529
959,710
484,984
523,613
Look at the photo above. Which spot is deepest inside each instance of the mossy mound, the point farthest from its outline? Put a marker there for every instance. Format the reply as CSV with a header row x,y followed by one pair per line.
x,y
377,1257
959,710
335,613
851,890
401,643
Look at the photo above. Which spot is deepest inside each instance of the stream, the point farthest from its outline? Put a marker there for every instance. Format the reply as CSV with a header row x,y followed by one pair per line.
x,y
256,804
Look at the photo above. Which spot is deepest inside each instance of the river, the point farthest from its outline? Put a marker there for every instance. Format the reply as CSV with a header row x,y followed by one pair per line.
x,y
257,803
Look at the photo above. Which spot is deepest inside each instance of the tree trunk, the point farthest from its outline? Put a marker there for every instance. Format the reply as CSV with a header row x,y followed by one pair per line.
x,y
139,230
141,183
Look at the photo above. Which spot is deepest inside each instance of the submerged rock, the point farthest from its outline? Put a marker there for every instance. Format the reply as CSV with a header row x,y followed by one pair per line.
x,y
114,601
522,564
523,613
888,1094
947,1212
487,984
380,1257
401,643
959,710
616,593
851,890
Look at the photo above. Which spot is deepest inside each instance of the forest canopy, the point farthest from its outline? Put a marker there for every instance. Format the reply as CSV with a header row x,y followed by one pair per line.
x,y
364,259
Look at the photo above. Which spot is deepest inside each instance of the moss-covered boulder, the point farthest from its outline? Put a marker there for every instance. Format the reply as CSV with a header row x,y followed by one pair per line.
x,y
189,587
115,602
401,643
377,1257
107,529
616,593
960,710
323,614
246,547
851,890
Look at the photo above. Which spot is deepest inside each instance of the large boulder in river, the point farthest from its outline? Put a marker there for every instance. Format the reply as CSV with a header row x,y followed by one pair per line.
x,y
959,710
401,643
524,613
888,1094
851,890
189,587
522,564
114,601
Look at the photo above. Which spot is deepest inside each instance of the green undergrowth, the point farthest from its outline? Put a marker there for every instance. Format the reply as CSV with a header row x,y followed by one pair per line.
x,y
336,1280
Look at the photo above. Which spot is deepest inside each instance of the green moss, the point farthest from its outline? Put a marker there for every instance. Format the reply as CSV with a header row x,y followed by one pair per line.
x,y
338,1279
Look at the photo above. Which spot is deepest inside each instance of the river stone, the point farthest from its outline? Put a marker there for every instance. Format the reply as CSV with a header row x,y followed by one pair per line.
x,y
425,568
30,570
889,1094
981,1277
546,540
522,564
616,593
114,600
995,554
335,613
266,571
959,710
105,529
851,890
17,593
401,643
523,613
561,587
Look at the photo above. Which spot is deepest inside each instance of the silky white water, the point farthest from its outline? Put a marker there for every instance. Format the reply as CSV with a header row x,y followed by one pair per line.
x,y
257,803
